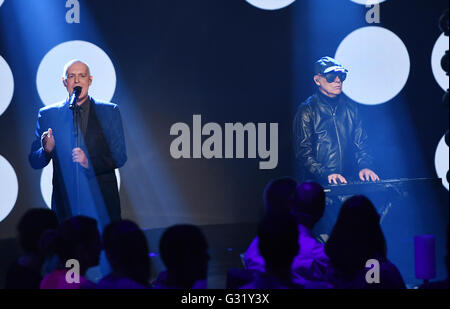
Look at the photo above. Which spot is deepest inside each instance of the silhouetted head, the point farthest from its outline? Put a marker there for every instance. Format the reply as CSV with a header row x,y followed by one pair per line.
x,y
356,236
32,225
184,251
77,238
278,239
127,250
309,203
279,194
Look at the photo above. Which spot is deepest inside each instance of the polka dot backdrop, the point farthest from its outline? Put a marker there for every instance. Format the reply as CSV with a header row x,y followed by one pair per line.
x,y
50,71
9,188
47,187
380,68
438,51
441,161
270,4
6,85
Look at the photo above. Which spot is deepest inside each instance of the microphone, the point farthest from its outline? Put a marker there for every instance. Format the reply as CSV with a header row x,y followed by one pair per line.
x,y
74,97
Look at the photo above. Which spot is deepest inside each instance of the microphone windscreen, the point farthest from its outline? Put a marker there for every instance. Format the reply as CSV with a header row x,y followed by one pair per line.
x,y
77,90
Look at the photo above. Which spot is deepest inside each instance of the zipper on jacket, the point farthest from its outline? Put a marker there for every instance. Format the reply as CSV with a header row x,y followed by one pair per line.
x,y
339,141
333,113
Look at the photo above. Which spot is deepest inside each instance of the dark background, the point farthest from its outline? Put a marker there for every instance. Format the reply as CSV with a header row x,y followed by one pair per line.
x,y
229,62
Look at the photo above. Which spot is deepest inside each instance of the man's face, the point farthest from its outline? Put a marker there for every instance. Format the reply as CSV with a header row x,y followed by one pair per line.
x,y
78,75
330,89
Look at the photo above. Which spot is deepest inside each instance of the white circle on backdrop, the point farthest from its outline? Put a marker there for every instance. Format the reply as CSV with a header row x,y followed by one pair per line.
x,y
441,161
270,4
47,186
50,71
9,188
368,2
6,85
439,49
379,68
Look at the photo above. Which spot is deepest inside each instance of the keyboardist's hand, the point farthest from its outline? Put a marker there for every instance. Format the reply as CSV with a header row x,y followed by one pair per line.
x,y
367,174
333,179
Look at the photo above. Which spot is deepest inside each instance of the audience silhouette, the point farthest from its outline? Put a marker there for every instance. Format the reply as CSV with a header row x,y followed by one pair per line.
x,y
278,196
127,251
184,251
76,238
306,202
278,245
283,255
26,271
356,238
308,208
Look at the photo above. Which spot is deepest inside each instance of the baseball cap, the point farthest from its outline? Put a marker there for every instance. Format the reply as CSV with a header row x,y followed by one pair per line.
x,y
327,64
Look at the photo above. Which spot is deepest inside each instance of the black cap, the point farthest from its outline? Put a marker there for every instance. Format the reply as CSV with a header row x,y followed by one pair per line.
x,y
327,64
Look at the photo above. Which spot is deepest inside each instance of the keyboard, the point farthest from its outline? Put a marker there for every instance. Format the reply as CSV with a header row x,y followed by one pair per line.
x,y
397,185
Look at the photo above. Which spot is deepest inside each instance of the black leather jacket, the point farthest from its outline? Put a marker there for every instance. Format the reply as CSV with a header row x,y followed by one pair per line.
x,y
329,138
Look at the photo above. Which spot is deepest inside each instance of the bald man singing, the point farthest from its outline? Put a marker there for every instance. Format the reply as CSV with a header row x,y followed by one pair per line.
x,y
85,143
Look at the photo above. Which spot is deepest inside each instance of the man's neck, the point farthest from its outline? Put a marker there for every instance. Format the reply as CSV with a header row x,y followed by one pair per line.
x,y
329,95
79,102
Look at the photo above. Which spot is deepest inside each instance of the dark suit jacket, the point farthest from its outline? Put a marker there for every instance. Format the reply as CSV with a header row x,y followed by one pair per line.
x,y
104,146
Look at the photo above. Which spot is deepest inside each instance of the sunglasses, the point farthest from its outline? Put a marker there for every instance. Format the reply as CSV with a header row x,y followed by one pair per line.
x,y
331,77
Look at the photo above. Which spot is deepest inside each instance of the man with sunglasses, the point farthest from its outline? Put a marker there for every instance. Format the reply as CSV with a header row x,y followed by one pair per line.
x,y
330,142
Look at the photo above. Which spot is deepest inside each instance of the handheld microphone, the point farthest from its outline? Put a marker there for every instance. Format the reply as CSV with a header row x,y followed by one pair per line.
x,y
74,97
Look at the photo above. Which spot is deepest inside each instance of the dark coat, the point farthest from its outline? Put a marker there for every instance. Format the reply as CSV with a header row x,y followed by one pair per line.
x,y
329,139
104,145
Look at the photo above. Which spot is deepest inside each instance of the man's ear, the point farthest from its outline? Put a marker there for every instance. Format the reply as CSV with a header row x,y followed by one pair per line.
x,y
316,79
90,80
64,82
